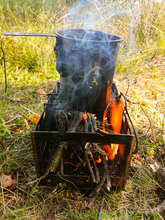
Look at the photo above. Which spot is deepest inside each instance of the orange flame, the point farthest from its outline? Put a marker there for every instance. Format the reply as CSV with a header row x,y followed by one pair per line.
x,y
108,95
85,115
111,150
99,160
117,109
116,115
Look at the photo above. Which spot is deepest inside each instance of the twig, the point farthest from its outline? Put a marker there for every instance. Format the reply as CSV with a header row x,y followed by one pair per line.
x,y
96,171
107,172
159,209
62,166
12,119
3,196
95,192
62,146
101,131
89,165
101,207
95,167
81,160
28,110
98,149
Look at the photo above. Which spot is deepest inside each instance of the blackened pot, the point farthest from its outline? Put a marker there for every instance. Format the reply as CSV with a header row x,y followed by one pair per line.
x,y
85,60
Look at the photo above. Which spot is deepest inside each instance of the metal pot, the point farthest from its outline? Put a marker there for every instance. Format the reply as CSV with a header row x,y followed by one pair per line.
x,y
85,60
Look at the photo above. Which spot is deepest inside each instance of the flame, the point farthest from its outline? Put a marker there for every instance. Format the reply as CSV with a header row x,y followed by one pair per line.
x,y
117,109
85,115
99,160
75,165
108,95
111,150
116,115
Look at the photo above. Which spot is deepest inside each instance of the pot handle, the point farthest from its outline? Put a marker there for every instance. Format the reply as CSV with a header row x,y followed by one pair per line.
x,y
19,34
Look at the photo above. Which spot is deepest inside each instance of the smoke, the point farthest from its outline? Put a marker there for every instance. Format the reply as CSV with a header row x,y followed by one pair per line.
x,y
85,56
102,14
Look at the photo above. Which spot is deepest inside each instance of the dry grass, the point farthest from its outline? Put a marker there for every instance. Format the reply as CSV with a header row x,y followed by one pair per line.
x,y
58,202
145,68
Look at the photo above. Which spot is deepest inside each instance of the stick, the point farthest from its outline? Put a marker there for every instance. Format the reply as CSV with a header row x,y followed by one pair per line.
x,y
29,110
95,192
101,207
62,165
62,146
159,209
81,160
107,172
96,171
95,167
89,165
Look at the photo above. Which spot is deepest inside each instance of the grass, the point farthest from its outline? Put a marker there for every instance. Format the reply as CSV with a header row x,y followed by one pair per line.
x,y
30,66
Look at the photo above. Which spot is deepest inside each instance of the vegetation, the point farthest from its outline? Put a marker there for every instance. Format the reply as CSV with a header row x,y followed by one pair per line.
x,y
30,63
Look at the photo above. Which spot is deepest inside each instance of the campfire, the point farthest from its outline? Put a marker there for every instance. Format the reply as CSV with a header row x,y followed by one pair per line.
x,y
83,136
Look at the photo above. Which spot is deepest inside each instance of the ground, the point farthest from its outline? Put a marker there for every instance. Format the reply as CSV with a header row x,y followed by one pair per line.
x,y
29,201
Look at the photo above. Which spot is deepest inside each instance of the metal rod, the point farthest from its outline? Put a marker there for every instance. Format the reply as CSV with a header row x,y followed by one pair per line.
x,y
19,34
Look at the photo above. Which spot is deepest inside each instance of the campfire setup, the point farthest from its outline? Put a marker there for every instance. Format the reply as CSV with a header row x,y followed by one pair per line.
x,y
83,137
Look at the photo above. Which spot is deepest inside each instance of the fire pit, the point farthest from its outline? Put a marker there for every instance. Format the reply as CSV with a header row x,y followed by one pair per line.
x,y
83,136
73,167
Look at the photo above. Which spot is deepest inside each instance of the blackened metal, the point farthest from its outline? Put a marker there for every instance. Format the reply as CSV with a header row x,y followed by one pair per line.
x,y
44,140
137,142
85,60
83,137
19,34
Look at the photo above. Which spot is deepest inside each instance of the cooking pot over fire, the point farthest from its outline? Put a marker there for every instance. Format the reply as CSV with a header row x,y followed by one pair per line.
x,y
85,60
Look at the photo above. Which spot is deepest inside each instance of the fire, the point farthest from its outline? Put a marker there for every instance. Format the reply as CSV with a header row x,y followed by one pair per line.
x,y
111,150
85,115
116,109
99,160
116,115
107,95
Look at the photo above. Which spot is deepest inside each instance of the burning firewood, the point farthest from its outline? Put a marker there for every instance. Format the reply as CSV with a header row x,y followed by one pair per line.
x,y
62,146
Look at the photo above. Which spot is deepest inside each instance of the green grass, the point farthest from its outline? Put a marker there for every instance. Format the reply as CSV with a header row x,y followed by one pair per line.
x,y
30,63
